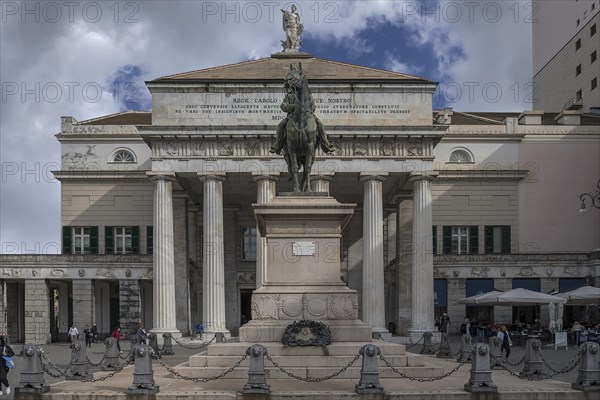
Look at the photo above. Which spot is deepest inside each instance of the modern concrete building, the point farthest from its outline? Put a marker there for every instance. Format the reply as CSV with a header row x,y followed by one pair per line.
x,y
158,225
566,45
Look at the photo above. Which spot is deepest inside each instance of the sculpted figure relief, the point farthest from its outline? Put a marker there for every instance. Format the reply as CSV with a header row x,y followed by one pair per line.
x,y
293,29
300,132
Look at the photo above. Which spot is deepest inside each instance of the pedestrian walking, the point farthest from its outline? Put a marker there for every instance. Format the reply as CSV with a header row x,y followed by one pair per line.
x,y
143,335
94,332
6,364
117,335
73,333
506,342
444,323
87,331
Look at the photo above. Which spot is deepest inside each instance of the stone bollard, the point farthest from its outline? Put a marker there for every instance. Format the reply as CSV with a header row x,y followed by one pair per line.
x,y
427,345
481,374
444,351
111,355
79,362
167,344
220,337
256,372
153,343
143,375
369,372
495,351
464,354
32,372
534,366
588,378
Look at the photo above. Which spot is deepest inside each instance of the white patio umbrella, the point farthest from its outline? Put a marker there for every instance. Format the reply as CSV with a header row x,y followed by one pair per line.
x,y
582,296
475,299
520,297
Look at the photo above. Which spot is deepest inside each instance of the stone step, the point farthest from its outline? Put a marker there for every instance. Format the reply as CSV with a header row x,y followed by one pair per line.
x,y
301,361
277,349
307,372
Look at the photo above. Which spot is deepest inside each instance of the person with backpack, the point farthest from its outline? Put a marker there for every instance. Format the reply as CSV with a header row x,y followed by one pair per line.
x,y
5,365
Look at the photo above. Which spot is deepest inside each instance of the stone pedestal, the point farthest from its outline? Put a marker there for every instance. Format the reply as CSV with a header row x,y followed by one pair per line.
x,y
302,278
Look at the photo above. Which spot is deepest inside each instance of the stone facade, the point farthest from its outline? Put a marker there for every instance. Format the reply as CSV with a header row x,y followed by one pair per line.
x,y
443,198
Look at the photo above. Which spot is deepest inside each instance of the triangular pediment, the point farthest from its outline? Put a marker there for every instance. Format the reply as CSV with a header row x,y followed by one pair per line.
x,y
274,69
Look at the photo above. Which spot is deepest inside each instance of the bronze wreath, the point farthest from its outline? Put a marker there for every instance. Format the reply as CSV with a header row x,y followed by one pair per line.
x,y
321,334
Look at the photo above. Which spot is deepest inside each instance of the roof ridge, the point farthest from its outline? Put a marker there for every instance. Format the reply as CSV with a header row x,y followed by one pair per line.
x,y
371,68
212,68
480,118
85,121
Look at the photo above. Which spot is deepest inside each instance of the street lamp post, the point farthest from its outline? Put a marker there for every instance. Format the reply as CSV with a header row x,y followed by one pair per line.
x,y
594,197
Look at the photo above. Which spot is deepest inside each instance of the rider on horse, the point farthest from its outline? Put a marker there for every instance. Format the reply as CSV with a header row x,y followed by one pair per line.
x,y
288,106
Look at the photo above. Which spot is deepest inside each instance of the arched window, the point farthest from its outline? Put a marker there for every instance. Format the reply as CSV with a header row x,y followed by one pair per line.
x,y
123,156
460,156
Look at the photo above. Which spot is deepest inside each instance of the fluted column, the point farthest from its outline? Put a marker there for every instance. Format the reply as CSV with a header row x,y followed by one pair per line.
x,y
373,297
265,192
213,256
422,268
164,308
320,183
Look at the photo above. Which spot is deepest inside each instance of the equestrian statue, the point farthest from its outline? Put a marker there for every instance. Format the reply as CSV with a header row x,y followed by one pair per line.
x,y
299,134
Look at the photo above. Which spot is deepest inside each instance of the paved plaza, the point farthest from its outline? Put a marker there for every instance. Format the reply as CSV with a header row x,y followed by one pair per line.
x,y
509,387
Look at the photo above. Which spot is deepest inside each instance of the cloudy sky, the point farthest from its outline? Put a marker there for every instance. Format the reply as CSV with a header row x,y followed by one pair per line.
x,y
87,59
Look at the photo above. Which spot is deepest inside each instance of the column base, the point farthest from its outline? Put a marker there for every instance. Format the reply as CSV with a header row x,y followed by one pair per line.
x,y
159,332
209,334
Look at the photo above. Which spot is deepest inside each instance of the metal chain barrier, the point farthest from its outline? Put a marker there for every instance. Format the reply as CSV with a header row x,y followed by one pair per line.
x,y
93,364
541,377
291,375
435,378
568,368
127,356
505,361
121,368
204,344
414,344
60,371
187,378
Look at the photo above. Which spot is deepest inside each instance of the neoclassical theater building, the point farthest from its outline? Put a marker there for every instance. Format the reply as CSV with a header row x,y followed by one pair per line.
x,y
158,226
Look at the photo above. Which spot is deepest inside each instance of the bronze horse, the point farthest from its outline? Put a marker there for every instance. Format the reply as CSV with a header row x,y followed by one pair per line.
x,y
301,130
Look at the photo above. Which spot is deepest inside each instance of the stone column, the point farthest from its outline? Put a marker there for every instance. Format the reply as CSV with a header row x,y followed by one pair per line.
x,y
37,313
422,271
320,183
181,255
265,192
196,271
213,260
83,303
164,311
373,295
129,304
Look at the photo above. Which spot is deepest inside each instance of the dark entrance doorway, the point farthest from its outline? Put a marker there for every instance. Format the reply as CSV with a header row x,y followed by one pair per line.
x,y
245,305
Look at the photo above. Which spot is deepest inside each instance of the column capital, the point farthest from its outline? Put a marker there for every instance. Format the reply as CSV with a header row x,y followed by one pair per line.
x,y
423,175
215,176
322,177
161,175
369,176
259,176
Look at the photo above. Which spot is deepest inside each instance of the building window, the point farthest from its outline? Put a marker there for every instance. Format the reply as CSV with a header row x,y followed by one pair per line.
x,y
461,239
460,156
150,240
593,57
121,239
249,244
440,297
578,70
123,156
594,83
80,240
434,235
578,95
497,239
592,30
568,284
577,44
